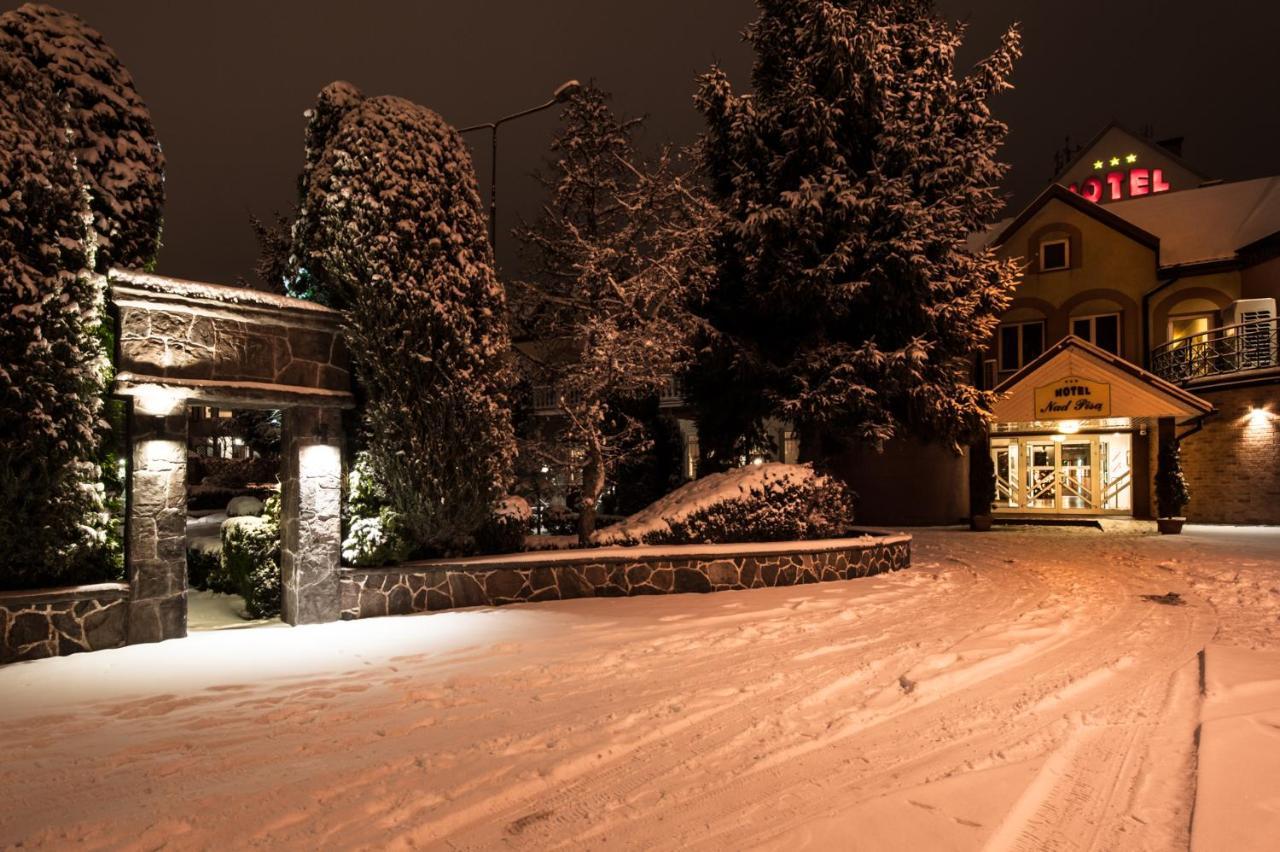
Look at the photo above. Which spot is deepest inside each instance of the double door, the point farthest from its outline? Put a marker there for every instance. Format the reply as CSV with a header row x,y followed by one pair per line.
x,y
1045,475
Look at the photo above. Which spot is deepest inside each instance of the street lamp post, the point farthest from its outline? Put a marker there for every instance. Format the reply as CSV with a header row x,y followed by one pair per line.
x,y
562,93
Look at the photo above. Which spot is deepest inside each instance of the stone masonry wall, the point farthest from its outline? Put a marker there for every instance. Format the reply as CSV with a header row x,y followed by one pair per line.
x,y
310,519
156,529
191,336
1232,465
423,587
53,622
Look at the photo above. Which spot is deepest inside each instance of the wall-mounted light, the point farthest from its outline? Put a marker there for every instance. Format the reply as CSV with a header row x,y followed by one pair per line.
x,y
157,400
1258,417
1069,427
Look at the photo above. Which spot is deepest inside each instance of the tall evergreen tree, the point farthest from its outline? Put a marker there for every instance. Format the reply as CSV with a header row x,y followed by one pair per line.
x,y
846,299
615,254
391,233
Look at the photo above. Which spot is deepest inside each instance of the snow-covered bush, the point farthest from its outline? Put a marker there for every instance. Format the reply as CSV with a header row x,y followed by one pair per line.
x,y
52,517
204,569
505,529
251,559
373,533
767,502
112,137
391,233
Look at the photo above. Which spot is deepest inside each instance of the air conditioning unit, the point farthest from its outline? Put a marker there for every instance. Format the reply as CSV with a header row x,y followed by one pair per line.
x,y
1254,322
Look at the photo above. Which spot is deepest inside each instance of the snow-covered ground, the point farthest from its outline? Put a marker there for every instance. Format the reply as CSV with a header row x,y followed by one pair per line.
x,y
1012,690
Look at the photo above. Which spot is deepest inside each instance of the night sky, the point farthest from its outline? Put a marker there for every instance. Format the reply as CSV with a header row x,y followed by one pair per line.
x,y
227,83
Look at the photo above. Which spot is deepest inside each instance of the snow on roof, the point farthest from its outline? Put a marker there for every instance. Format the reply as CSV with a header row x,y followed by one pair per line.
x,y
1193,225
1209,222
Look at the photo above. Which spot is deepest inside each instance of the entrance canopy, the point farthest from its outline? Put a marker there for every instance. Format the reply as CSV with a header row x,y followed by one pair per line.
x,y
1076,383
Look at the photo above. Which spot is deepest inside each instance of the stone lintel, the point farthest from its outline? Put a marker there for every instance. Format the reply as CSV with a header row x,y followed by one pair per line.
x,y
236,394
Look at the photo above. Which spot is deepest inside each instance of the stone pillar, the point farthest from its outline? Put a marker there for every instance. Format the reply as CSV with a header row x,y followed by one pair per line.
x,y
310,523
156,550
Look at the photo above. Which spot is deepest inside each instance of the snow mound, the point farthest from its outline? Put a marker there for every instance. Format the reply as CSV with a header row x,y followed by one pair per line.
x,y
244,505
783,494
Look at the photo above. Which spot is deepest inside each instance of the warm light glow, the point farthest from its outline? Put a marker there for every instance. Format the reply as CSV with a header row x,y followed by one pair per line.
x,y
545,469
1097,164
1259,418
157,400
1069,427
1131,159
757,460
1058,438
1115,161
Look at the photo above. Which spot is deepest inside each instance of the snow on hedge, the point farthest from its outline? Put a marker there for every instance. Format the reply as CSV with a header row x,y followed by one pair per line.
x,y
51,364
391,232
115,144
758,502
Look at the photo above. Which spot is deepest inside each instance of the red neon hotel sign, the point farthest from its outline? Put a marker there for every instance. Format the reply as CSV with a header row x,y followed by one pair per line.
x,y
1118,183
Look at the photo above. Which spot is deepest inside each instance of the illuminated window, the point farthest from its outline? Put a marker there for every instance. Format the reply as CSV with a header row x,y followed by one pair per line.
x,y
1020,343
1054,255
1188,326
1102,331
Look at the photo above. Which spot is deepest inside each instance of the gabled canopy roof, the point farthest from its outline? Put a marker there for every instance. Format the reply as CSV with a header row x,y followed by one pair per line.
x,y
1133,392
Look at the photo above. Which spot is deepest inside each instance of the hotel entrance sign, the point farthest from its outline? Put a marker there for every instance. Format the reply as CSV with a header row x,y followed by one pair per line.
x,y
1073,398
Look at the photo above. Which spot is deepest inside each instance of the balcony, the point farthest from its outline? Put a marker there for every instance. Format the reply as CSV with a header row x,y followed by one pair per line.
x,y
1217,355
546,399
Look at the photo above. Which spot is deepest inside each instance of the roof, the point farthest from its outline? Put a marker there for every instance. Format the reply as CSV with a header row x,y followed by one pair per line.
x,y
1137,137
1190,226
1104,214
1207,223
1073,354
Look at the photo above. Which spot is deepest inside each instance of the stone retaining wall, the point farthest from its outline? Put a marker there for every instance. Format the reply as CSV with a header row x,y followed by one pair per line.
x,y
437,585
53,622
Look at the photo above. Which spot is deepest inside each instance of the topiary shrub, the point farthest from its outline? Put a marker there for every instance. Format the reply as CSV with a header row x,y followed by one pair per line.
x,y
1172,494
391,233
770,502
117,153
251,559
982,479
506,528
53,527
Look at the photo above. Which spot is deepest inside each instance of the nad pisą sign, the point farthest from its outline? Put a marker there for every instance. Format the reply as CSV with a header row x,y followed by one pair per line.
x,y
1073,398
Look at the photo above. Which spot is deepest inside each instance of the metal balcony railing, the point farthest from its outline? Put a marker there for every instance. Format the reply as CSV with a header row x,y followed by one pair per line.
x,y
1219,352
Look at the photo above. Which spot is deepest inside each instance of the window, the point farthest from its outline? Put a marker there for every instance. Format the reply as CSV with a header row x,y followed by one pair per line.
x,y
1103,331
1020,343
1189,325
989,374
1055,254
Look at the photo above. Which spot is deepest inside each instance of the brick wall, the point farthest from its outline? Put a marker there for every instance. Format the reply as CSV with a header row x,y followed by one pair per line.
x,y
1233,464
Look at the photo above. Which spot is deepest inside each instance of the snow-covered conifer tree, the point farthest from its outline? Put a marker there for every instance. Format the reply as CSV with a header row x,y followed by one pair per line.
x,y
115,144
849,179
391,232
51,366
615,255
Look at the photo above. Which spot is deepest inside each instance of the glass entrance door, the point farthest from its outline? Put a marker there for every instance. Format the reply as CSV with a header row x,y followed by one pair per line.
x,y
1075,474
1041,475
